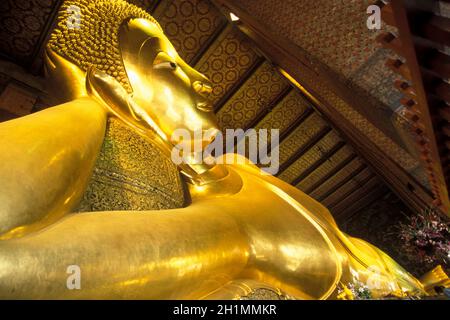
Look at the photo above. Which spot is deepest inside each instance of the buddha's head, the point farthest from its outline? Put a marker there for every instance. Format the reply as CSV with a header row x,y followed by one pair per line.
x,y
118,53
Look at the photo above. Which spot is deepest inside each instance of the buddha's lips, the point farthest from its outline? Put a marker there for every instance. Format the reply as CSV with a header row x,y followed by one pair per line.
x,y
207,107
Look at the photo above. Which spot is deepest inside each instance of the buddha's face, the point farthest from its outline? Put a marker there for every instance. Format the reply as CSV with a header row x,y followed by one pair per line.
x,y
166,88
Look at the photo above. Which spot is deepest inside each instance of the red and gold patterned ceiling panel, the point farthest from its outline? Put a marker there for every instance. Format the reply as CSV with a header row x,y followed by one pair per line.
x,y
226,62
263,87
314,154
333,31
188,24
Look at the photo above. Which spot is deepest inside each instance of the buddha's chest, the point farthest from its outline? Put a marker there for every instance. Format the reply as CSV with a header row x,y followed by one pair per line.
x,y
131,174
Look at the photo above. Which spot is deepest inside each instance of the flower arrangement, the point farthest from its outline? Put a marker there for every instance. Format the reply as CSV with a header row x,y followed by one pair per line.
x,y
426,238
355,290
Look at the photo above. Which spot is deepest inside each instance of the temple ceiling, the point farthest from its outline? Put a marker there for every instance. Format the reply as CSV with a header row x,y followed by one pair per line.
x,y
249,92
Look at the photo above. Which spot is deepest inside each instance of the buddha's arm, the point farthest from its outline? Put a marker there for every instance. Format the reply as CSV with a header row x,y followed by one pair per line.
x,y
182,253
46,161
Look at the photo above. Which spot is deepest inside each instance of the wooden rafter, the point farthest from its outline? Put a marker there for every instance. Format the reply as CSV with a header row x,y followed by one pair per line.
x,y
349,177
305,148
269,107
325,157
330,174
361,198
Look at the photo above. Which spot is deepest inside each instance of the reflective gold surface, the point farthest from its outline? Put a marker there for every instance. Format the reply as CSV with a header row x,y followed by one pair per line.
x,y
242,230
47,159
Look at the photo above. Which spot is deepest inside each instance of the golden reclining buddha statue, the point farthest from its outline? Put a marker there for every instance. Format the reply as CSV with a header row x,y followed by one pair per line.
x,y
240,231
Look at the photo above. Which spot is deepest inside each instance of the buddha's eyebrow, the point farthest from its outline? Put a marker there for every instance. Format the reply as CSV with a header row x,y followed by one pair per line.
x,y
150,48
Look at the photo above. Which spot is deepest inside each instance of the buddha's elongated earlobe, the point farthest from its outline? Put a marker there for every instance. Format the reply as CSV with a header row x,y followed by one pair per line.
x,y
113,96
117,101
111,93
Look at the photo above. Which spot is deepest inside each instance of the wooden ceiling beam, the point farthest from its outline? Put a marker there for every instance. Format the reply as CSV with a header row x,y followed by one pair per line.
x,y
269,107
364,178
235,87
153,6
359,200
351,175
304,148
325,157
292,127
332,173
36,60
305,115
211,39
265,111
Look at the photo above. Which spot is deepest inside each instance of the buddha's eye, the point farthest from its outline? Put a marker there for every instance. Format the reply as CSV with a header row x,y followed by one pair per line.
x,y
165,65
163,61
